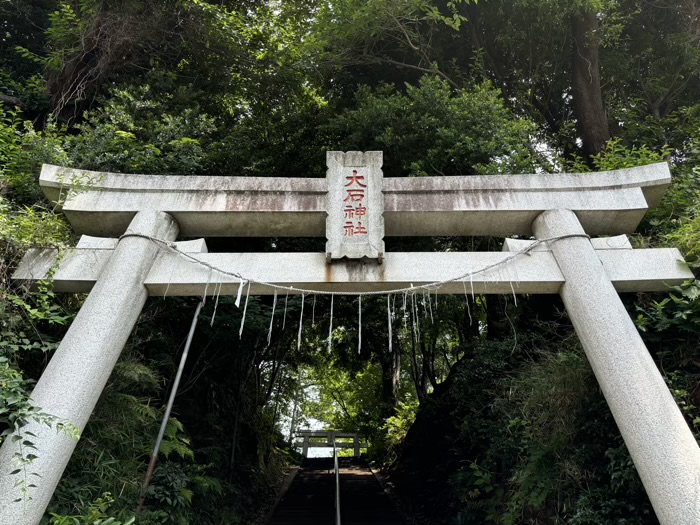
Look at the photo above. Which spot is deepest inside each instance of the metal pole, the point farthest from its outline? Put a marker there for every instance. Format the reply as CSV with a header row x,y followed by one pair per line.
x,y
337,484
171,400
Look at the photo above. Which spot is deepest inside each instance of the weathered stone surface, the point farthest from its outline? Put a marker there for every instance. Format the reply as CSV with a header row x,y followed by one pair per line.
x,y
76,375
108,243
606,203
629,270
355,205
80,268
619,242
662,446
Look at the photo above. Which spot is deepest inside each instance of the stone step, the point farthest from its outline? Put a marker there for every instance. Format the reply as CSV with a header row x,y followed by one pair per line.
x,y
311,496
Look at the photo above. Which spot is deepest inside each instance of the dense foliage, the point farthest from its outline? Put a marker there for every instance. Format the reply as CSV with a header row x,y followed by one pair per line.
x,y
484,409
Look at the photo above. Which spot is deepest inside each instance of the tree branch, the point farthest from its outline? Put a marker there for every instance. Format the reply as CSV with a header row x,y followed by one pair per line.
x,y
419,68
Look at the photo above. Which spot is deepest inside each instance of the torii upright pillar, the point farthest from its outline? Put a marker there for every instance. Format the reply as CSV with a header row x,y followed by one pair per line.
x,y
663,449
77,373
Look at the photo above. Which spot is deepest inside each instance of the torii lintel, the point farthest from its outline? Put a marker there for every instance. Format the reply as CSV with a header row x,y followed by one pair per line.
x,y
606,203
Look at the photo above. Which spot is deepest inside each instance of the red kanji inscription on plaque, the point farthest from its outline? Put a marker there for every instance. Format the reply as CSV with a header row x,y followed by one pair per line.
x,y
349,229
352,229
354,196
360,230
355,179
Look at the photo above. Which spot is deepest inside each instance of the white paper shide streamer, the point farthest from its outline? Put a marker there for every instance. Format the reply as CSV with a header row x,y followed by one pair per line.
x,y
301,320
272,318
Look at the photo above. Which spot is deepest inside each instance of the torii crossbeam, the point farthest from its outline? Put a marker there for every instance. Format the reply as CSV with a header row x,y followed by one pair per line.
x,y
354,207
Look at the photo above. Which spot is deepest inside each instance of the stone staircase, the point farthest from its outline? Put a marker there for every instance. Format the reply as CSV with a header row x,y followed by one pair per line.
x,y
310,498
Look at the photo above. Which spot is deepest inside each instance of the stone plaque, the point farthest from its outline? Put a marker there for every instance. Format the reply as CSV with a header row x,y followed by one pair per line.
x,y
355,205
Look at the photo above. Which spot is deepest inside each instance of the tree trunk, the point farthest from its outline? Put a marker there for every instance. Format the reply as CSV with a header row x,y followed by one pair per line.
x,y
234,443
417,372
498,327
428,361
293,424
396,370
587,96
391,376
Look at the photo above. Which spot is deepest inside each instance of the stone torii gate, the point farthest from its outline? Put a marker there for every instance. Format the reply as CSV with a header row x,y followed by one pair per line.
x,y
327,439
129,224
